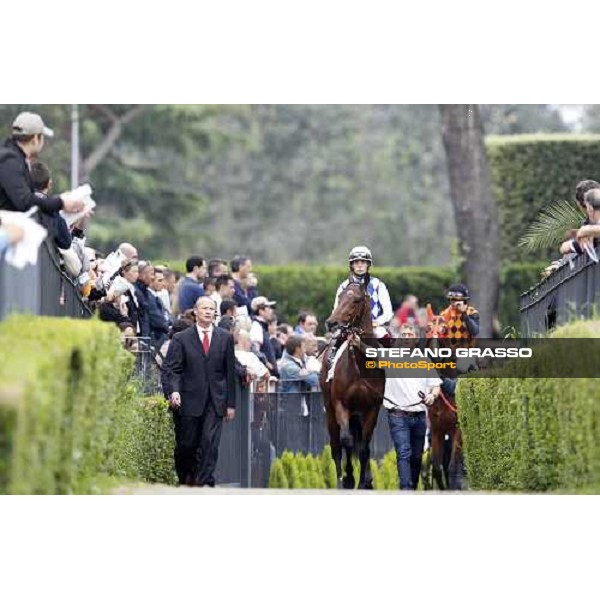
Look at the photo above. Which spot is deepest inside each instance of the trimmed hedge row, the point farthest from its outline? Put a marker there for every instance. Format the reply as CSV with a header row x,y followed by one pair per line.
x,y
307,287
530,171
532,434
299,471
299,287
69,419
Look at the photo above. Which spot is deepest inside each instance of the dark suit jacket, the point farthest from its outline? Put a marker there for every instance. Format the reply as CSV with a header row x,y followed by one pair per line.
x,y
191,373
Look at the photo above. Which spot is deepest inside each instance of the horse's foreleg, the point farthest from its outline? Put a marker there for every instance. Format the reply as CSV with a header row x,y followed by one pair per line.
x,y
364,453
334,441
342,418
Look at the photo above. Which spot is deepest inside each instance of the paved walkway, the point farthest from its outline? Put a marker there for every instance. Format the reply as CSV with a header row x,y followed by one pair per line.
x,y
233,491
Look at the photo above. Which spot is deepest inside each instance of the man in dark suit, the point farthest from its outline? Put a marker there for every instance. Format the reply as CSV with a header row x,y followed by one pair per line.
x,y
200,385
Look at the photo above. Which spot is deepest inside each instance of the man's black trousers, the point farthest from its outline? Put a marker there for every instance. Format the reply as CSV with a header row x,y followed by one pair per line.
x,y
197,446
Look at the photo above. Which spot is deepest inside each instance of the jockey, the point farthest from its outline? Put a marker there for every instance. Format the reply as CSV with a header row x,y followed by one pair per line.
x,y
461,318
360,261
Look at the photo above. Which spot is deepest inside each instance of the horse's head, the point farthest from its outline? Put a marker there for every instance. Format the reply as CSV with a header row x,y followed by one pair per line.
x,y
353,310
436,325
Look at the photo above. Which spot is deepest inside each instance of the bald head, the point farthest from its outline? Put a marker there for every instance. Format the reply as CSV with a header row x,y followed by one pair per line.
x,y
128,250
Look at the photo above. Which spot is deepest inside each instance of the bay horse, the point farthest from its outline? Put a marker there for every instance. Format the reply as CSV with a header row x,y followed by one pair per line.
x,y
446,455
352,403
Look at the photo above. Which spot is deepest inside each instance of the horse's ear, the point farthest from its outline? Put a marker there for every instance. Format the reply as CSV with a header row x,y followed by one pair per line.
x,y
430,314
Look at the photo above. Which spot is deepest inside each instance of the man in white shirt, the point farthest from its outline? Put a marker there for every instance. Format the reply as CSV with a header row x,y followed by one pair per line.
x,y
255,368
405,400
224,290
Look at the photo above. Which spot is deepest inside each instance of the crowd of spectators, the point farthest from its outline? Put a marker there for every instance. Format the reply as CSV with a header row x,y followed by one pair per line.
x,y
149,302
584,239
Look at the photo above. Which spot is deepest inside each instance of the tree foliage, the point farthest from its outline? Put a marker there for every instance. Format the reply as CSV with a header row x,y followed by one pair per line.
x,y
283,183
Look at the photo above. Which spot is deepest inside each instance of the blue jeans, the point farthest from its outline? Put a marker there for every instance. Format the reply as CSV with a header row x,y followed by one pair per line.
x,y
408,435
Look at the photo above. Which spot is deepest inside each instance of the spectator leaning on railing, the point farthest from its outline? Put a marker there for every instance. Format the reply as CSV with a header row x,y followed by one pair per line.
x,y
571,245
294,375
17,192
587,233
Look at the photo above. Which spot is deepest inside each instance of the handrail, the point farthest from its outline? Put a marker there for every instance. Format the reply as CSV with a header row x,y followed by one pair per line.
x,y
557,278
41,289
51,254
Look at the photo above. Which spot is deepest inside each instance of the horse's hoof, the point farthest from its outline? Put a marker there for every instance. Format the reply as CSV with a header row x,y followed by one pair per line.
x,y
348,483
368,485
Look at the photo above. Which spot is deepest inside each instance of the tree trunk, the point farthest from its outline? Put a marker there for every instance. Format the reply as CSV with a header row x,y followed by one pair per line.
x,y
475,209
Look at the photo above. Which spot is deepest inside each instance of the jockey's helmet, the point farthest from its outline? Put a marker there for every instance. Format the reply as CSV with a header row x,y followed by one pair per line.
x,y
360,253
458,291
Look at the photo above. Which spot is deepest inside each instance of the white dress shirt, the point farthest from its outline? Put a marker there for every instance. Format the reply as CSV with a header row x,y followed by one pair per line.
x,y
403,392
201,331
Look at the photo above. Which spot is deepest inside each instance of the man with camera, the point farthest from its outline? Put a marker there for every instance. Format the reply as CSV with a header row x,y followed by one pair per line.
x,y
461,318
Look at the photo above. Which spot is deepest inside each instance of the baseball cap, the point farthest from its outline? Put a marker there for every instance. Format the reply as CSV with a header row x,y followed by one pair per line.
x,y
261,302
30,124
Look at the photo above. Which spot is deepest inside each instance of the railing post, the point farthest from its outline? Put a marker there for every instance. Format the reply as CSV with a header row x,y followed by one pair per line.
x,y
243,401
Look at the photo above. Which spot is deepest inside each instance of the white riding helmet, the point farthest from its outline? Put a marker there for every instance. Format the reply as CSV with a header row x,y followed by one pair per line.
x,y
360,253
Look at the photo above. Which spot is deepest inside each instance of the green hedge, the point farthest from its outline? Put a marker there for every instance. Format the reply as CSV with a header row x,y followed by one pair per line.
x,y
69,419
532,434
299,287
530,171
514,280
299,471
306,287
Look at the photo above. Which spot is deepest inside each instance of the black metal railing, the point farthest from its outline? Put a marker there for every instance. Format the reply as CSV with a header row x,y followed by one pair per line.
x,y
40,289
573,291
295,422
266,424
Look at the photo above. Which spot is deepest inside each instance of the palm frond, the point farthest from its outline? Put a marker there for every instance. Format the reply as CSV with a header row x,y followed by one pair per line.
x,y
548,229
